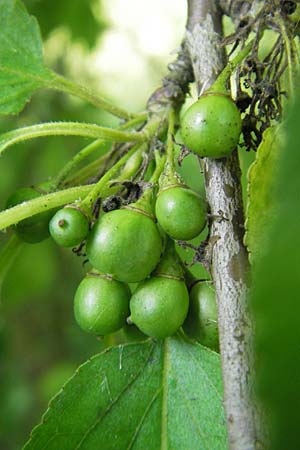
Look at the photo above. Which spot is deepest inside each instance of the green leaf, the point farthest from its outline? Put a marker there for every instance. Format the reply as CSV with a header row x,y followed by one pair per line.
x,y
262,207
165,395
21,57
276,305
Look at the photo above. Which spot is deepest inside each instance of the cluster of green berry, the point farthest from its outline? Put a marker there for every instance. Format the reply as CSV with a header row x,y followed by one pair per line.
x,y
137,276
126,246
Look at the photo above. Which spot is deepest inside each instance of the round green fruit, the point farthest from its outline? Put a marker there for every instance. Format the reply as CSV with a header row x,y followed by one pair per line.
x,y
159,306
202,319
180,212
101,305
211,127
126,244
69,226
36,228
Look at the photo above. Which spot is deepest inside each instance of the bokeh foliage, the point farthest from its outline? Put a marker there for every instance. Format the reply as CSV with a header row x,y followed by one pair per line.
x,y
70,15
276,300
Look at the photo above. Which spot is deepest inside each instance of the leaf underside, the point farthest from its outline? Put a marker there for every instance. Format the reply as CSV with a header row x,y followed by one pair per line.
x,y
165,395
22,70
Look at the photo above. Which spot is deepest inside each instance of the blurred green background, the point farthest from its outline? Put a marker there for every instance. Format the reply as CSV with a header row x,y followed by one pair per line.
x,y
121,49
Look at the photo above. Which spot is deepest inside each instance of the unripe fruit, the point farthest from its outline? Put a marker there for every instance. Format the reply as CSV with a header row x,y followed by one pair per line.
x,y
180,212
159,306
211,127
69,226
126,244
101,304
202,319
35,228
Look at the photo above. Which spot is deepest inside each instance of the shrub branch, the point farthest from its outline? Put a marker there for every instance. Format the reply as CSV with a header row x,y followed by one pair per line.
x,y
229,259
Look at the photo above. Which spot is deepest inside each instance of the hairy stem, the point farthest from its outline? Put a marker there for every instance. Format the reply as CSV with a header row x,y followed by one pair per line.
x,y
229,261
40,204
88,150
68,129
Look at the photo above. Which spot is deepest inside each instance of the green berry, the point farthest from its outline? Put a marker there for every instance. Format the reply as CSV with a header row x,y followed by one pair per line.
x,y
180,212
202,319
101,304
159,306
126,244
35,228
211,127
69,226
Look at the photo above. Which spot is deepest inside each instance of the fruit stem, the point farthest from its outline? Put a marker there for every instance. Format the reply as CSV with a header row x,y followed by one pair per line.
x,y
221,83
146,202
170,264
88,150
70,129
170,140
160,162
97,191
169,176
40,204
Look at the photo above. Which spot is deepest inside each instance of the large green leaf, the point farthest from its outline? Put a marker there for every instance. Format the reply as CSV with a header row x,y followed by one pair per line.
x,y
139,396
276,302
262,206
21,57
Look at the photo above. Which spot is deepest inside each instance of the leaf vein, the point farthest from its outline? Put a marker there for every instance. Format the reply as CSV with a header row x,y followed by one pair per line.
x,y
99,419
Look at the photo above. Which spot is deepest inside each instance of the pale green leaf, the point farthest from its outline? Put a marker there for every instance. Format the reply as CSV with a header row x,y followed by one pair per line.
x,y
147,396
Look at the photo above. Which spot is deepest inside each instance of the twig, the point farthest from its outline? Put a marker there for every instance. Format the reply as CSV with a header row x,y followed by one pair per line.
x,y
229,266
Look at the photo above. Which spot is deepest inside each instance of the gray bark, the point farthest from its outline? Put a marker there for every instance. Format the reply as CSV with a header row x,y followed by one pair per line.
x,y
229,260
